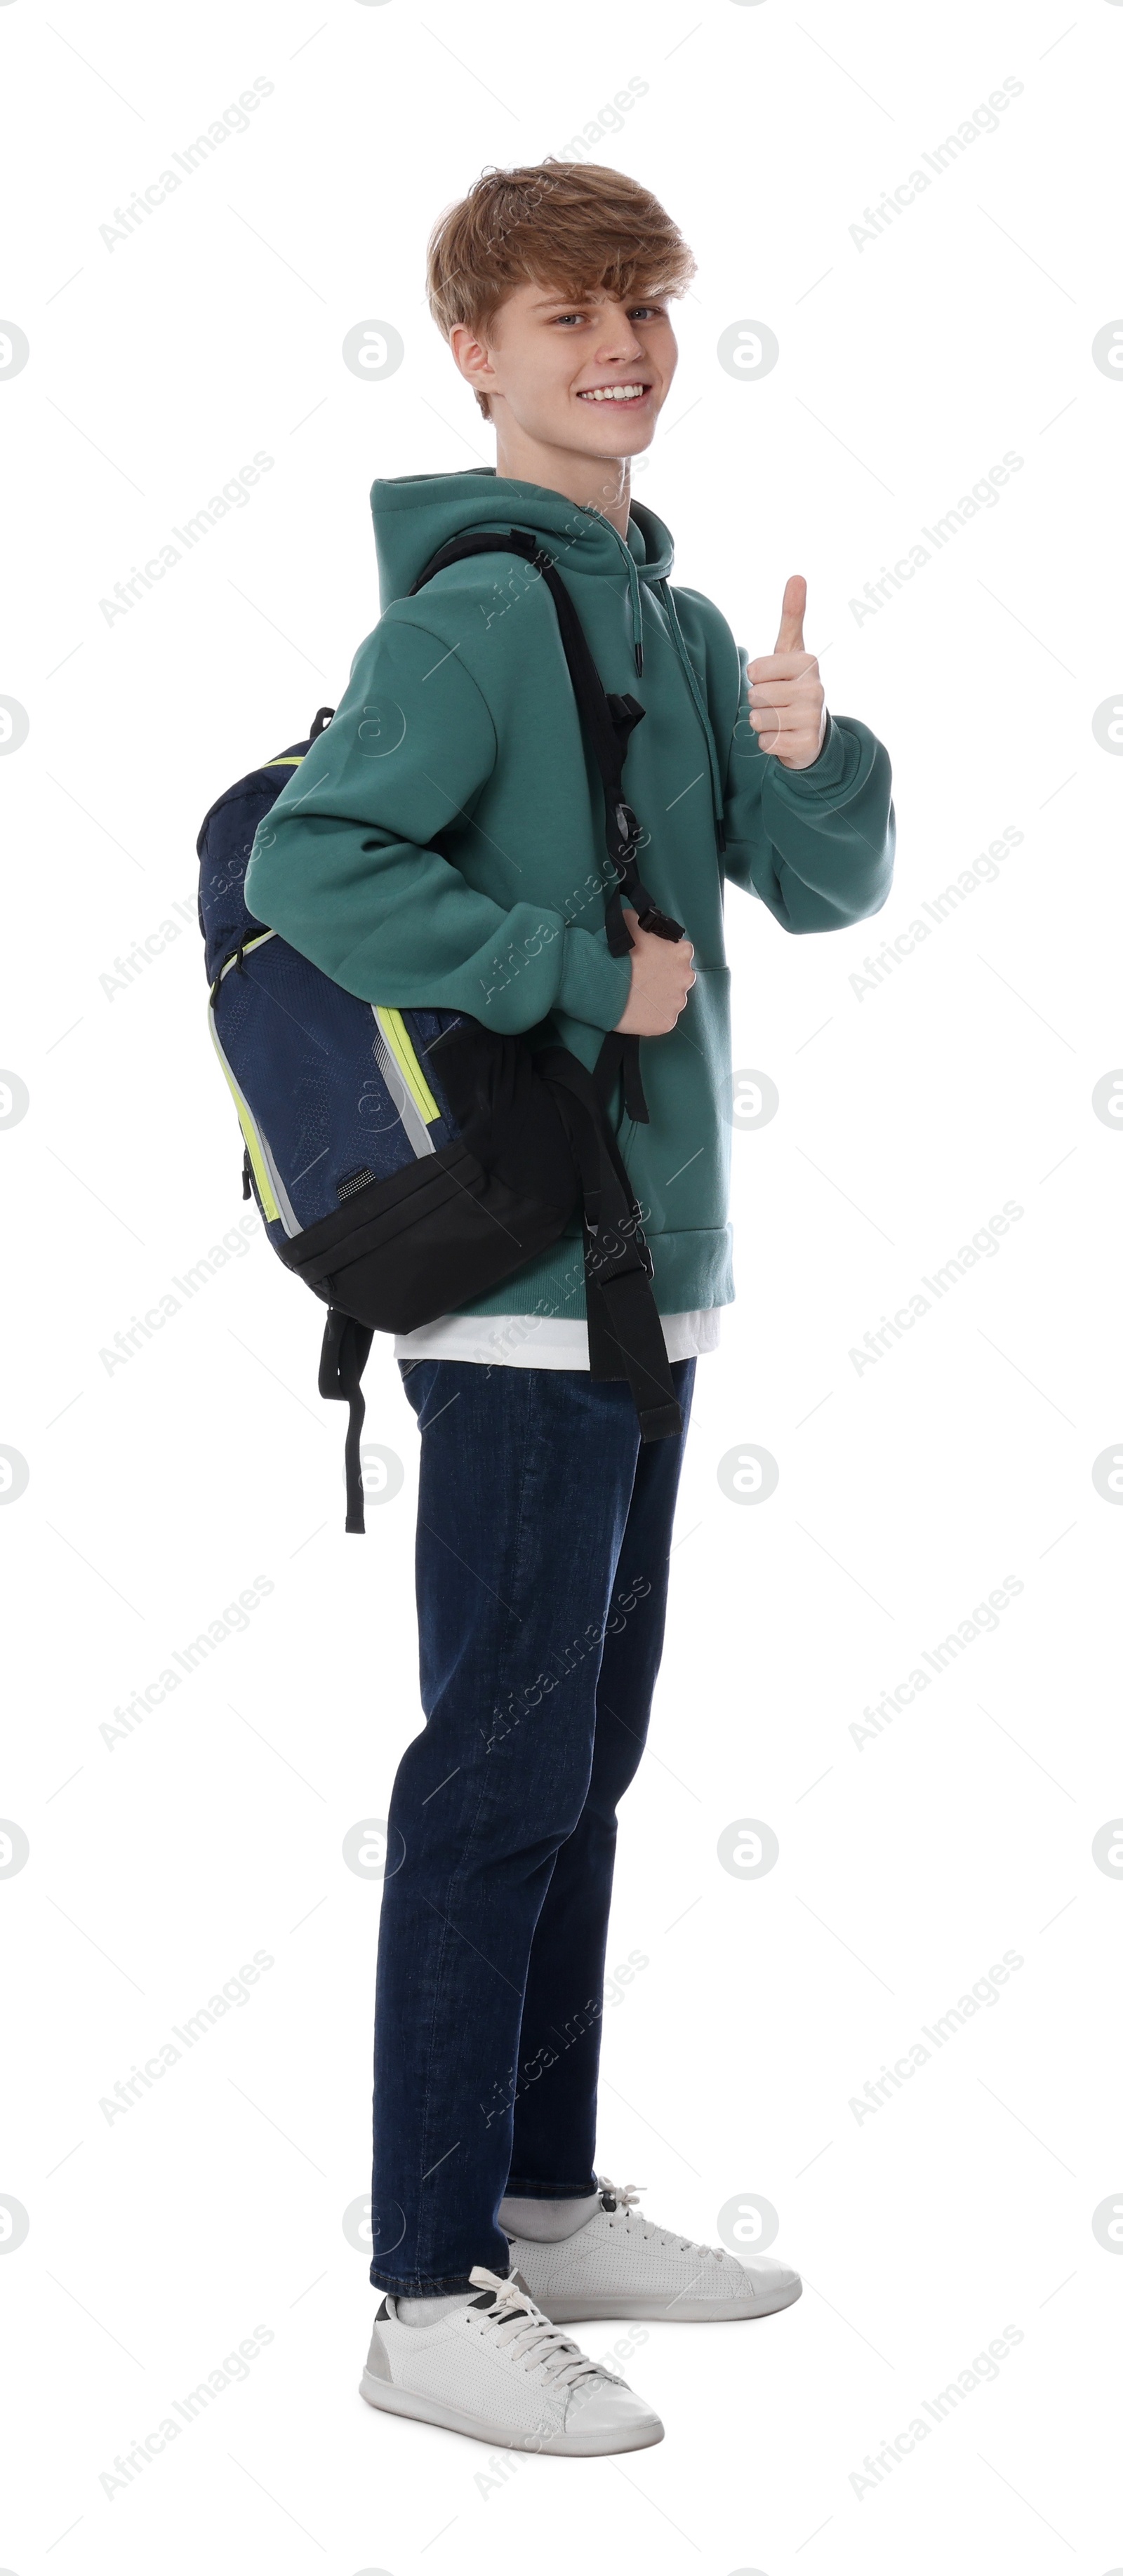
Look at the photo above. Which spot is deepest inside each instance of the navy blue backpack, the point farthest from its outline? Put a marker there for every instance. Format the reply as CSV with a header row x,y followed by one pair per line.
x,y
406,1162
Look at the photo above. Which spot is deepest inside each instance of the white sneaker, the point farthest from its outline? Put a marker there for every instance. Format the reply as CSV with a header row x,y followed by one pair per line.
x,y
620,2264
497,2369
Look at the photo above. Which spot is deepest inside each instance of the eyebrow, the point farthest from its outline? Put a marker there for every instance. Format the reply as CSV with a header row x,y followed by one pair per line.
x,y
639,295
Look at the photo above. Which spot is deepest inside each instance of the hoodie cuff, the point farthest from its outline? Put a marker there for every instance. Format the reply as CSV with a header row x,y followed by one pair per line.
x,y
827,770
593,985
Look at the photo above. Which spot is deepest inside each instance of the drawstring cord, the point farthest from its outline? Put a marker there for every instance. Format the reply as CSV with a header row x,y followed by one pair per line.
x,y
699,701
717,799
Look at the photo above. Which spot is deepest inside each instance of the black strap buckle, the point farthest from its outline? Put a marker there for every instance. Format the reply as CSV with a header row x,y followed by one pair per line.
x,y
628,831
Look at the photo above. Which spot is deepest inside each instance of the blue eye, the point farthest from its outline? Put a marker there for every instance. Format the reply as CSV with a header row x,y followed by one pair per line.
x,y
656,310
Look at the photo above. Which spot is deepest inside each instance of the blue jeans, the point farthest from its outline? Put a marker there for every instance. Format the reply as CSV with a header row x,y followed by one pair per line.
x,y
543,1536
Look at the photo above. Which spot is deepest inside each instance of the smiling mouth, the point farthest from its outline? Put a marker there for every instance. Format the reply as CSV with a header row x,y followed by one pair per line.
x,y
621,397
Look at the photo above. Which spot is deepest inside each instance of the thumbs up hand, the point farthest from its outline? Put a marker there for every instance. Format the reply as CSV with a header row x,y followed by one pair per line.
x,y
787,707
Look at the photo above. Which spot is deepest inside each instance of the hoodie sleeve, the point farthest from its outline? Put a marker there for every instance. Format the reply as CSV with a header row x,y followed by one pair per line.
x,y
817,844
344,864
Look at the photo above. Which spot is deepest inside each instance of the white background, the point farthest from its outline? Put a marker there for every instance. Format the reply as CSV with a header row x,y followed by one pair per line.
x,y
161,1487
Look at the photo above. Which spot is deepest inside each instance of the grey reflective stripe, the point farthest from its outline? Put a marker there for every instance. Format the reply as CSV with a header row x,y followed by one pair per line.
x,y
404,1102
285,1209
289,1218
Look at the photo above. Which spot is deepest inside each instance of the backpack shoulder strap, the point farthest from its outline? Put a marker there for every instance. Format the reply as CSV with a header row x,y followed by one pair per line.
x,y
609,720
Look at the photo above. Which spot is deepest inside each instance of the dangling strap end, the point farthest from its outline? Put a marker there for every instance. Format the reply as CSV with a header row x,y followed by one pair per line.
x,y
660,1422
343,1357
635,1099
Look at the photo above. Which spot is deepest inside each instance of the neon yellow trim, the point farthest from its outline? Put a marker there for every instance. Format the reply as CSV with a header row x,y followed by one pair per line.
x,y
247,950
284,760
400,1043
249,1131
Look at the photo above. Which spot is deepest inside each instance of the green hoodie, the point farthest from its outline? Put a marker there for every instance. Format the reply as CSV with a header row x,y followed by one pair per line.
x,y
442,842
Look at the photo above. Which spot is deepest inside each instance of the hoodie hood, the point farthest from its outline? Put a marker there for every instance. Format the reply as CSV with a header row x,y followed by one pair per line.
x,y
415,514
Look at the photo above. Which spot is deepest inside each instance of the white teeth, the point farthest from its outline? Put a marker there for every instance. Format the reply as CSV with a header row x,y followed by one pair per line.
x,y
613,393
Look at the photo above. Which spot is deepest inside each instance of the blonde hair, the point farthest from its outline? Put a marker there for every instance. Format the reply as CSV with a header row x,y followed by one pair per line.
x,y
577,226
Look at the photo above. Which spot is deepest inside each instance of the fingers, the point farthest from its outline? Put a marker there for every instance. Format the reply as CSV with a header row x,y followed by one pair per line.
x,y
779,666
785,690
658,949
794,732
779,693
662,974
772,715
790,637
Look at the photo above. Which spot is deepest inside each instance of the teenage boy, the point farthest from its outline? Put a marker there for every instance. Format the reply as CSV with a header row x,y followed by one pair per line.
x,y
443,844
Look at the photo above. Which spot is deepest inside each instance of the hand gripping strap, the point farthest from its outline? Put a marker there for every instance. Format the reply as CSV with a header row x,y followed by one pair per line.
x,y
343,1357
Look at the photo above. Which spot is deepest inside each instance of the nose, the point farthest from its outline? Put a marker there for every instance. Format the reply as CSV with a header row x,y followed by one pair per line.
x,y
621,342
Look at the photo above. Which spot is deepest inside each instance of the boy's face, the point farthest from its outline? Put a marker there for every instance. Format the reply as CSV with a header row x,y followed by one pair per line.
x,y
550,362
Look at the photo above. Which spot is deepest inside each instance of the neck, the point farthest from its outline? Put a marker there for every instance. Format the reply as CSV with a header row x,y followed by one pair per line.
x,y
597,482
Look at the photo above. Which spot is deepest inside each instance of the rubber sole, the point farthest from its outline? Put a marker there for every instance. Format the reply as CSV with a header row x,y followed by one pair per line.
x,y
652,2311
452,2419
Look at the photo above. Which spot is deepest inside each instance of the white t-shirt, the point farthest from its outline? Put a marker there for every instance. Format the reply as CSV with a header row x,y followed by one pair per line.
x,y
542,1341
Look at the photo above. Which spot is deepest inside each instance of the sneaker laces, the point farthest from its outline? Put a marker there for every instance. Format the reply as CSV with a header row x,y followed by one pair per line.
x,y
528,2336
625,2196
